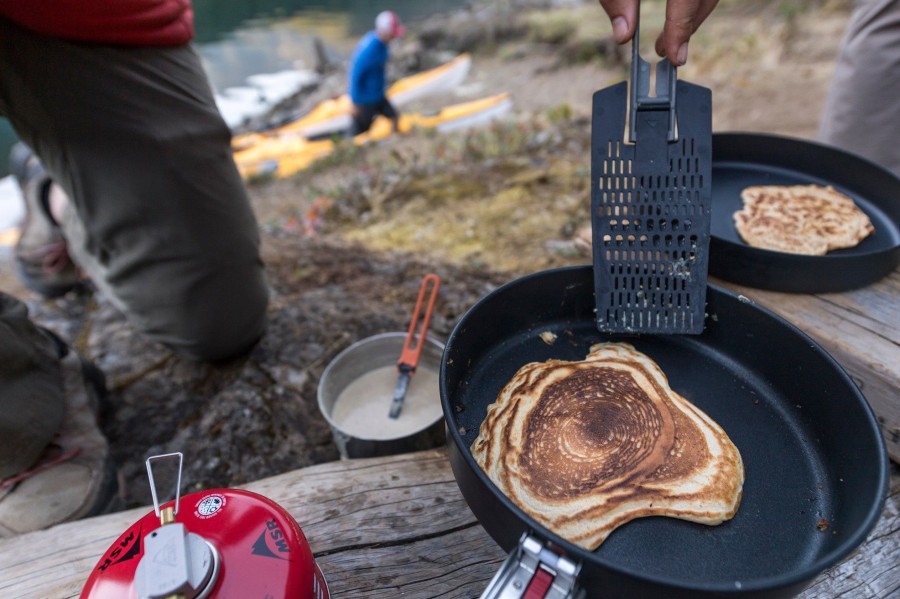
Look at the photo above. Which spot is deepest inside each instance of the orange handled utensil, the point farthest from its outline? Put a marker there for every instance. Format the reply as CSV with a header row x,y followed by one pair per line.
x,y
415,337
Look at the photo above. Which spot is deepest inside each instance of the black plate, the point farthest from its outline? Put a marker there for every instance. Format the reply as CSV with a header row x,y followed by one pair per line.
x,y
744,159
810,444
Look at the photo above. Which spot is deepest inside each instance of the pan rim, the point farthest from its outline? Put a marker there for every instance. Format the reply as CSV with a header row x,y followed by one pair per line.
x,y
767,583
857,176
835,255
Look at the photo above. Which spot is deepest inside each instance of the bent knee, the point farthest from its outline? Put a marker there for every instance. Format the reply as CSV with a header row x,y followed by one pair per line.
x,y
220,320
221,337
226,329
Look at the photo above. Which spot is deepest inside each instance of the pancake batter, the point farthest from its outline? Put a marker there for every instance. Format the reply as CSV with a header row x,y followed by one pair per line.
x,y
362,408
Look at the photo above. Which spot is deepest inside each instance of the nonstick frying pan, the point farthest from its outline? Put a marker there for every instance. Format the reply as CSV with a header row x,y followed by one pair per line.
x,y
815,463
744,159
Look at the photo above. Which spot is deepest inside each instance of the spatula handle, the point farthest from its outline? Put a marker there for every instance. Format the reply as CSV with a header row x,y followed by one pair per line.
x,y
641,98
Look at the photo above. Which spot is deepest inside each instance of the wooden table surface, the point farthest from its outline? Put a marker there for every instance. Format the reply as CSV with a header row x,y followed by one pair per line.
x,y
384,528
398,526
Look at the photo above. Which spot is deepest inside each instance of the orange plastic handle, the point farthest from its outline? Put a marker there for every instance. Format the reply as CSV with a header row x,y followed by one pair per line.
x,y
412,346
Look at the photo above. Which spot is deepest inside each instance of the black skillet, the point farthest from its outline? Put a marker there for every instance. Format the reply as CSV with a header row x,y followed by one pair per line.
x,y
816,467
744,159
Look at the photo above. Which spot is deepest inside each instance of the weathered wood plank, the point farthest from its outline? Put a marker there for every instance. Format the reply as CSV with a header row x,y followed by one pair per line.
x,y
357,503
56,562
861,330
387,527
874,569
458,564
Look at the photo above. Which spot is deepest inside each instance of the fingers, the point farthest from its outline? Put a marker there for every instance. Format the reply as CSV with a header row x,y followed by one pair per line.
x,y
623,15
683,17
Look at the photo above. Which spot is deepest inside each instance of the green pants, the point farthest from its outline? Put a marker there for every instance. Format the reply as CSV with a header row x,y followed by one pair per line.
x,y
161,221
31,399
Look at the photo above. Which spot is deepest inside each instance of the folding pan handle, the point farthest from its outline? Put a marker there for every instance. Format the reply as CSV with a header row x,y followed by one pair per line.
x,y
412,346
664,98
533,571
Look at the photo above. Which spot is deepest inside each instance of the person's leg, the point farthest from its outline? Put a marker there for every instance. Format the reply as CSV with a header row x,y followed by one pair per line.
x,y
362,119
862,113
41,254
55,464
159,217
31,397
388,110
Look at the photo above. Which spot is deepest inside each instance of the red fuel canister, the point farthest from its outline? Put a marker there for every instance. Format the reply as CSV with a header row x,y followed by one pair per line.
x,y
218,544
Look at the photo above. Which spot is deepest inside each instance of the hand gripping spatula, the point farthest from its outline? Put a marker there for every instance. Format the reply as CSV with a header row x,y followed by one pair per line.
x,y
650,201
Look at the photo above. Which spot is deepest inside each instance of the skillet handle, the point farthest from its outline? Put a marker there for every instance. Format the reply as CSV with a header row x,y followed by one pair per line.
x,y
412,346
533,571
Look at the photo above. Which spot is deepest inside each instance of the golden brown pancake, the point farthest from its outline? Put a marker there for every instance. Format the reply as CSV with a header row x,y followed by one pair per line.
x,y
584,447
800,219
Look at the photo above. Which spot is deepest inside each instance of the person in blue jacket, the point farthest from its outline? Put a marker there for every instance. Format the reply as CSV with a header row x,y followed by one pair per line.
x,y
367,73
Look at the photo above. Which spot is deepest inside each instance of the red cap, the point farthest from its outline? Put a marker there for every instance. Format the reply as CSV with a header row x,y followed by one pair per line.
x,y
387,22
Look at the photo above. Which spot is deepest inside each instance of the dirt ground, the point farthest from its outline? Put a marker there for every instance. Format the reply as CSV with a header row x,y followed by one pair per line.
x,y
347,242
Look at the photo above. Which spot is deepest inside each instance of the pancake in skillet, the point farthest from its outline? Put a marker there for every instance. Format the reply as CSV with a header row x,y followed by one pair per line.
x,y
800,219
584,447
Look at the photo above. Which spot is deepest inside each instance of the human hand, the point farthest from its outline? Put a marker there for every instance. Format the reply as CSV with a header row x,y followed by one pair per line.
x,y
683,17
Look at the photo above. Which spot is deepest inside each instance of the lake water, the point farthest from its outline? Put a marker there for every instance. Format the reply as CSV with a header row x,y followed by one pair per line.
x,y
238,39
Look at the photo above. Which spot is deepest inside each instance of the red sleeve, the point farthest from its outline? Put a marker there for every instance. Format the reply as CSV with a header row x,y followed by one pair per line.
x,y
127,22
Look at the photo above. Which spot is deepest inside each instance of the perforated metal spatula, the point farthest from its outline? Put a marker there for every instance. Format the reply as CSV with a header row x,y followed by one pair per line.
x,y
650,201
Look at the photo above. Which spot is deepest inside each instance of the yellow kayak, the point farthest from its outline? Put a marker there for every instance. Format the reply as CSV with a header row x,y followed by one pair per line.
x,y
285,155
333,115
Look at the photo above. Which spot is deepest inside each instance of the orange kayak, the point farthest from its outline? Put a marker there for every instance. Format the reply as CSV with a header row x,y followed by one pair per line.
x,y
285,155
332,116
